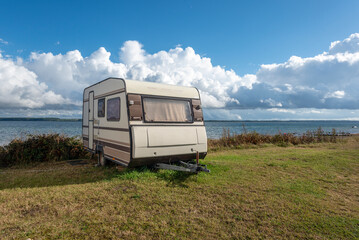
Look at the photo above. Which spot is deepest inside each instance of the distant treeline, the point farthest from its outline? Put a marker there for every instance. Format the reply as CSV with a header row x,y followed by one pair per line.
x,y
42,119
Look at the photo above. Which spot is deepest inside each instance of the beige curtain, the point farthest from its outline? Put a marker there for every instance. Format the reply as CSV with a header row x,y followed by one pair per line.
x,y
166,110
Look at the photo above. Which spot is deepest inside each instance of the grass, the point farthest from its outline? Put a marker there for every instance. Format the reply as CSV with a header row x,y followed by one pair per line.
x,y
306,191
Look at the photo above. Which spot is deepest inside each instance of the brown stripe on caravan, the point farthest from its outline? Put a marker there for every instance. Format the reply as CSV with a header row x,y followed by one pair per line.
x,y
115,129
85,138
86,100
110,93
84,126
122,156
115,146
125,147
113,141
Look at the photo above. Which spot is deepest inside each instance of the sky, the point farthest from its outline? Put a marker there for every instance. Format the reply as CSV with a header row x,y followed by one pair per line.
x,y
251,60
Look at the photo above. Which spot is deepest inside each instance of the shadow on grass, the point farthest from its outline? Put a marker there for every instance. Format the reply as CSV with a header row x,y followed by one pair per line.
x,y
78,172
54,174
175,178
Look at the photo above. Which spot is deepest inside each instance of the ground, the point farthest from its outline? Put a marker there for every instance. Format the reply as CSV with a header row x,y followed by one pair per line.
x,y
308,191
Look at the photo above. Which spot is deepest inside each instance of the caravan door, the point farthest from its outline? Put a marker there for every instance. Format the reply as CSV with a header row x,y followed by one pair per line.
x,y
90,117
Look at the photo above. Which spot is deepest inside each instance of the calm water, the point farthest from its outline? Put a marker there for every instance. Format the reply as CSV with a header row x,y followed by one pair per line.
x,y
19,129
215,129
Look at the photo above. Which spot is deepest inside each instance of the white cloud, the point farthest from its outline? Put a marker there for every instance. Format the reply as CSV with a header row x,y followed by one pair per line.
x,y
2,41
336,94
29,112
222,114
350,44
282,114
184,67
177,66
271,102
70,73
326,81
281,110
20,88
315,111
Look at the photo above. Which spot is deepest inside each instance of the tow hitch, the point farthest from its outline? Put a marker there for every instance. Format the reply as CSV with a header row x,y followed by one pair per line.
x,y
184,167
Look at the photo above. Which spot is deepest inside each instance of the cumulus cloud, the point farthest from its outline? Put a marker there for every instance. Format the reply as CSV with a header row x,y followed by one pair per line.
x,y
336,94
20,88
180,66
70,73
177,66
326,81
350,45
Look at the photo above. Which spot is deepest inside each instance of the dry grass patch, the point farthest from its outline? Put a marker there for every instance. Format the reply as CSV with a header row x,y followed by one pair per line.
x,y
272,192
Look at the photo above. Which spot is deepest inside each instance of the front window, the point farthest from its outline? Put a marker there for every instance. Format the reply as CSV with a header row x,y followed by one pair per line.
x,y
101,108
167,110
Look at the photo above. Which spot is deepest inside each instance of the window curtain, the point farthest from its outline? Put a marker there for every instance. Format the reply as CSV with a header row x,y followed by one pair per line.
x,y
167,110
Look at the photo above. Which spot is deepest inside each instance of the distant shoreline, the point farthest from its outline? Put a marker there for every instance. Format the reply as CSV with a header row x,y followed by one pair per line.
x,y
239,121
281,120
43,119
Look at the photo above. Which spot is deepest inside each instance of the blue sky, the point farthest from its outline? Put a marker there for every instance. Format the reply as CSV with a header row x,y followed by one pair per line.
x,y
237,35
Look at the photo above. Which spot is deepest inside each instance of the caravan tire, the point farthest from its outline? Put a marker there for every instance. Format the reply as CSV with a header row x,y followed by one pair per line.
x,y
101,159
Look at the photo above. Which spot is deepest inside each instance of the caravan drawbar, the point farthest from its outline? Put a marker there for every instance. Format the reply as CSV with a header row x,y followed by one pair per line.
x,y
134,123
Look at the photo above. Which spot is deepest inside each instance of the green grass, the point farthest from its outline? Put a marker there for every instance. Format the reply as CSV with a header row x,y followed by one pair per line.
x,y
270,192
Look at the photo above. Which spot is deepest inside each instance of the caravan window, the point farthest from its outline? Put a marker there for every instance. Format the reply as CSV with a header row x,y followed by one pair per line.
x,y
101,108
167,110
113,109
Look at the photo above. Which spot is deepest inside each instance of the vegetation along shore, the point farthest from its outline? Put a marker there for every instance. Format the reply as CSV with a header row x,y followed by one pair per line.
x,y
276,187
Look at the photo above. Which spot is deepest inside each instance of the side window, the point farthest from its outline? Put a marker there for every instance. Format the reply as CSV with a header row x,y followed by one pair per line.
x,y
113,109
101,108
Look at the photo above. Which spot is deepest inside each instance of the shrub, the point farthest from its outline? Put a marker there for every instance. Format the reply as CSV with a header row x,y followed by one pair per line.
x,y
280,139
41,148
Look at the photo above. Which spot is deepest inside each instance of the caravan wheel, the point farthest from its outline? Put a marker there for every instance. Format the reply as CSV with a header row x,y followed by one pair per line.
x,y
101,159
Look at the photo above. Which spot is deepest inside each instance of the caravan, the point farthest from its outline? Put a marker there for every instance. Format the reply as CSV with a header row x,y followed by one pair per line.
x,y
134,123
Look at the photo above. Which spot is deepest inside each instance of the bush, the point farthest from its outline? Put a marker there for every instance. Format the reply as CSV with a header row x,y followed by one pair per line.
x,y
41,148
280,139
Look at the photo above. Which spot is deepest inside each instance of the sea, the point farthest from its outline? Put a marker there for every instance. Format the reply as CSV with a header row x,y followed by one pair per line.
x,y
10,130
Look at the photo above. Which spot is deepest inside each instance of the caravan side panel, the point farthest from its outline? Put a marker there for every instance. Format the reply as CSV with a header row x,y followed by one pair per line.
x,y
114,136
111,136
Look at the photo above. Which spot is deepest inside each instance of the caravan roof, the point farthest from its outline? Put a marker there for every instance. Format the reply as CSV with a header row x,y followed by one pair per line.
x,y
145,88
160,89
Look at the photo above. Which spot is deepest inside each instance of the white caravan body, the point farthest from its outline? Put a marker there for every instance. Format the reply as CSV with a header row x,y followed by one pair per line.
x,y
137,123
